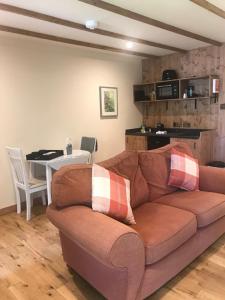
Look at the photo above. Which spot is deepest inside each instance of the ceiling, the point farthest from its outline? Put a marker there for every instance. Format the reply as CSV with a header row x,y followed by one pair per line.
x,y
180,13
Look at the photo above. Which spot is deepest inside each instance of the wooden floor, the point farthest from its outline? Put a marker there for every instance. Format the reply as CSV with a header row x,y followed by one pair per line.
x,y
32,268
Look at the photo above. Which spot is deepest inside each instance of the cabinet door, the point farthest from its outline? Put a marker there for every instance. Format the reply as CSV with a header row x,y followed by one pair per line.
x,y
134,142
202,148
194,145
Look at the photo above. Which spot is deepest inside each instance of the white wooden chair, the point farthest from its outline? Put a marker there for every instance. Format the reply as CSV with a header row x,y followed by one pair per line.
x,y
89,144
23,180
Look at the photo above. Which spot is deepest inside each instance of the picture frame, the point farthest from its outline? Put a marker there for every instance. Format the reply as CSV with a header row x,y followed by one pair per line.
x,y
108,102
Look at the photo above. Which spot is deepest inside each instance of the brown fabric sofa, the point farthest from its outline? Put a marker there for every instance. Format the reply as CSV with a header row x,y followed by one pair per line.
x,y
172,226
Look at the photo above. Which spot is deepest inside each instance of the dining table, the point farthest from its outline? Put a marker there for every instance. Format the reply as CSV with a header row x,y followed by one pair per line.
x,y
77,157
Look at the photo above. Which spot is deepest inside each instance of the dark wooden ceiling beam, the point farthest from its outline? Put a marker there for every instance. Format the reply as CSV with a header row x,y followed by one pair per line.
x,y
141,18
59,21
71,41
210,7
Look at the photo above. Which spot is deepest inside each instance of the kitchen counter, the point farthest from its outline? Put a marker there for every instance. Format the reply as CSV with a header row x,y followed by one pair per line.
x,y
188,133
200,141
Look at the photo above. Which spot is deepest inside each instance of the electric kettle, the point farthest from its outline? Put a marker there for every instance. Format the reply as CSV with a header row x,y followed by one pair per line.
x,y
159,126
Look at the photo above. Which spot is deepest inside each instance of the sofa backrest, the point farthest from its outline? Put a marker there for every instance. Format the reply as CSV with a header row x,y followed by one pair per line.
x,y
72,184
127,165
148,172
155,166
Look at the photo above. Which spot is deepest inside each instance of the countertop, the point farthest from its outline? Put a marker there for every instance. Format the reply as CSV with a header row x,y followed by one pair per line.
x,y
184,133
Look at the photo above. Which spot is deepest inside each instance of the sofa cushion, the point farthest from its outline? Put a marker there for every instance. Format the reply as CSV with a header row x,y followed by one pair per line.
x,y
163,229
208,207
126,164
155,166
111,194
72,184
184,171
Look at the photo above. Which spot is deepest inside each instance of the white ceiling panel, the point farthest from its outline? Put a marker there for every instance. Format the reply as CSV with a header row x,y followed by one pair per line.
x,y
180,13
218,3
10,19
76,11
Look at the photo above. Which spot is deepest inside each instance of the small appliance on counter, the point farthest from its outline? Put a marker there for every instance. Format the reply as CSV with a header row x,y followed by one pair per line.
x,y
160,126
161,132
169,75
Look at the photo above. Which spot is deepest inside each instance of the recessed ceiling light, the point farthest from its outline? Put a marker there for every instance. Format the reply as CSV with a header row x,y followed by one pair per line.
x,y
129,45
91,24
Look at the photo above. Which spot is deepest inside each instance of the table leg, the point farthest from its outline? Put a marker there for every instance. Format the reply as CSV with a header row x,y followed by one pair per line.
x,y
31,169
49,181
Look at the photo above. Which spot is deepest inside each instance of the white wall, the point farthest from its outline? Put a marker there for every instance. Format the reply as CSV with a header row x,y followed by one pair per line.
x,y
49,91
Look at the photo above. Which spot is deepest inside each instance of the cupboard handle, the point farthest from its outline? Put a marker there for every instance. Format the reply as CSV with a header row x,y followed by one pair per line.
x,y
194,145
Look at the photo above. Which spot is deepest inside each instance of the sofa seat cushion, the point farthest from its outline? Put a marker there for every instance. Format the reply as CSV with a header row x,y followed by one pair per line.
x,y
163,229
208,207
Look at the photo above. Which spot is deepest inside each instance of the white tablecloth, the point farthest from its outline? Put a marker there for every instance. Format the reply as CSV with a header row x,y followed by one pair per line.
x,y
77,157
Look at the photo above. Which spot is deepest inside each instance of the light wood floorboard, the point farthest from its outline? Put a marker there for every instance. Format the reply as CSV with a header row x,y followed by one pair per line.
x,y
32,267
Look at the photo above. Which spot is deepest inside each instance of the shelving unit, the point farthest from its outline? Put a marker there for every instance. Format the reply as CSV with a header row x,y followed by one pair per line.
x,y
202,89
144,92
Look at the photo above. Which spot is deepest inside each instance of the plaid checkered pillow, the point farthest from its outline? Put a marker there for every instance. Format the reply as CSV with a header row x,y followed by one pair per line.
x,y
111,195
184,172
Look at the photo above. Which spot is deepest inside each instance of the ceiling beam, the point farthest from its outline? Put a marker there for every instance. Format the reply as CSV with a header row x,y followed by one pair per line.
x,y
59,21
141,18
210,7
71,41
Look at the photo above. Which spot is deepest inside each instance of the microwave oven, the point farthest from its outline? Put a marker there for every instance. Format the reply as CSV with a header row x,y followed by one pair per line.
x,y
167,90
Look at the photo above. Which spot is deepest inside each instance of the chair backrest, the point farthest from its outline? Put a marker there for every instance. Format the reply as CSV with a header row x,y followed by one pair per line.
x,y
88,144
18,167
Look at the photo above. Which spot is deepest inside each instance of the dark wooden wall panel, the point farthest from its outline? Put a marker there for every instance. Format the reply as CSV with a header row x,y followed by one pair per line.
x,y
198,62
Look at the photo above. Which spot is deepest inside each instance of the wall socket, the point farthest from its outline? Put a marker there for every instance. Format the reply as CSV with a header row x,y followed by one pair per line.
x,y
182,124
222,106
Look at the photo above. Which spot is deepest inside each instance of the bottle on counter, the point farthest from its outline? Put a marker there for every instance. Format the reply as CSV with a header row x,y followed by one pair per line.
x,y
69,146
142,128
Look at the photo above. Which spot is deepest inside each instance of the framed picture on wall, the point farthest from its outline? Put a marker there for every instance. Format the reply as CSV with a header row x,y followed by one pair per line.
x,y
108,102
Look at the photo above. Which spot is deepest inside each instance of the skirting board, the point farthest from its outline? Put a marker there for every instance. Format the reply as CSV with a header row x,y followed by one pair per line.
x,y
7,210
12,208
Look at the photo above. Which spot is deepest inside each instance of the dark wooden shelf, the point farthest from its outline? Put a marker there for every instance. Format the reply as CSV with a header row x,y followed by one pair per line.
x,y
179,79
202,85
176,99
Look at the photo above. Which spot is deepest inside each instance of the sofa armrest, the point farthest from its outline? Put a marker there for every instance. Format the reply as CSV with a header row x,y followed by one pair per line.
x,y
109,240
212,179
71,185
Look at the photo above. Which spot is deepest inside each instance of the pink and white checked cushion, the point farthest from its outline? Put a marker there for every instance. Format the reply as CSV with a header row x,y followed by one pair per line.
x,y
184,172
111,194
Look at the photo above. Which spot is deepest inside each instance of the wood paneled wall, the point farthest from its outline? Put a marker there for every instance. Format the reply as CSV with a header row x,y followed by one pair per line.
x,y
198,62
